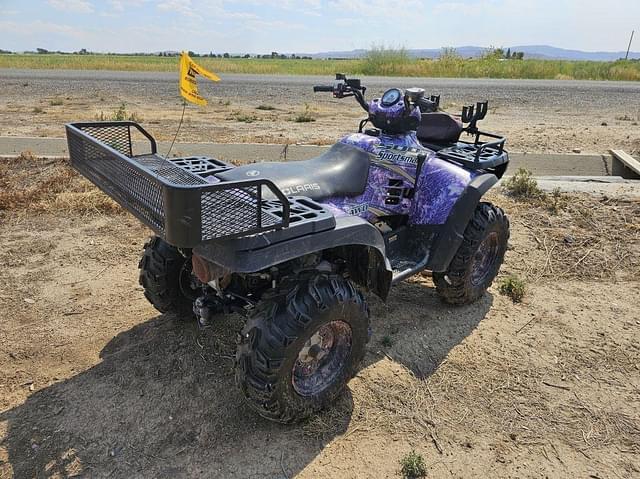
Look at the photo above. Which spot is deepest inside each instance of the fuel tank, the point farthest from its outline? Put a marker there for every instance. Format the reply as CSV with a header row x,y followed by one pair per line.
x,y
405,178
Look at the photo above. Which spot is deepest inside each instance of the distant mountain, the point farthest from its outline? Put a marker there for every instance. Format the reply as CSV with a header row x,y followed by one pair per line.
x,y
530,51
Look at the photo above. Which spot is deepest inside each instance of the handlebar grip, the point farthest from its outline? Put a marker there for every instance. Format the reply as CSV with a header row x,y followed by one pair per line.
x,y
323,88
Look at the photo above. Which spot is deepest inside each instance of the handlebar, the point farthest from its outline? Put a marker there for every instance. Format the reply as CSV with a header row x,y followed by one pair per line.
x,y
344,87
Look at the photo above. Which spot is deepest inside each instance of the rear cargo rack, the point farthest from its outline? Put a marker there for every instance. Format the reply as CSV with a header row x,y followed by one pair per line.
x,y
179,198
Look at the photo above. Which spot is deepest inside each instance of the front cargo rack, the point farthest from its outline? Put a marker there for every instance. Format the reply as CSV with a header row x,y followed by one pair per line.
x,y
179,198
478,154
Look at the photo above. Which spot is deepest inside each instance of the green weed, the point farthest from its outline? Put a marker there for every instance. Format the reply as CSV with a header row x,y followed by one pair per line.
x,y
306,116
413,466
245,118
522,185
121,114
555,201
513,287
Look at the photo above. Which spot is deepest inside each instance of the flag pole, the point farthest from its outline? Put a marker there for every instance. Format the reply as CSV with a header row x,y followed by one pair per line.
x,y
629,47
184,107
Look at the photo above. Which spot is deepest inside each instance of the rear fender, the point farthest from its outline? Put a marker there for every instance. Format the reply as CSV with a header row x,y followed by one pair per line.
x,y
353,239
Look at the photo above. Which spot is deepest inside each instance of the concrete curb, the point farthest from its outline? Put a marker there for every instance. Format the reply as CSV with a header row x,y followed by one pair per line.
x,y
568,172
538,164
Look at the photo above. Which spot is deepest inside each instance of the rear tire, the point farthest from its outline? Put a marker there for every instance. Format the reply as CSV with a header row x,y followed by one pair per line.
x,y
165,275
300,347
478,259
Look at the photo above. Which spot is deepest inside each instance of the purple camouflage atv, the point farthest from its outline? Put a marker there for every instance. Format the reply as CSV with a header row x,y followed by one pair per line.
x,y
293,245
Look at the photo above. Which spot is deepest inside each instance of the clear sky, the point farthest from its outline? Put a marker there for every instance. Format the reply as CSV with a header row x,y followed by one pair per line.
x,y
262,26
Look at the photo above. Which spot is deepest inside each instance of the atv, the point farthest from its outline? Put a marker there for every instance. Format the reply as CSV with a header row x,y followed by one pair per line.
x,y
293,246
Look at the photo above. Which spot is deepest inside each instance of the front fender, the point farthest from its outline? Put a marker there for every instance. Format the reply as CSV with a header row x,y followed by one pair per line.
x,y
451,233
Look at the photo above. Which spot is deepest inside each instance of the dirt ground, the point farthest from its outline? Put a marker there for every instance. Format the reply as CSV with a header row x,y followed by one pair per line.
x,y
95,383
536,116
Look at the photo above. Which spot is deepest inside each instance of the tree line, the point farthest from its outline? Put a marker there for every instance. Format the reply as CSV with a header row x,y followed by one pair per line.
x,y
84,51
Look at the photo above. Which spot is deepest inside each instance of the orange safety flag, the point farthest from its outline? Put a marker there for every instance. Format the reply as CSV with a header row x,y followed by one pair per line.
x,y
188,86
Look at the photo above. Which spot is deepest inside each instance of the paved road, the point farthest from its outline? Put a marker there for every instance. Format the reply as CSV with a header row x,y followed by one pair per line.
x,y
543,94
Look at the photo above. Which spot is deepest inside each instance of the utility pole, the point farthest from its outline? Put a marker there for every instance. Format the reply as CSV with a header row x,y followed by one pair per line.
x,y
629,47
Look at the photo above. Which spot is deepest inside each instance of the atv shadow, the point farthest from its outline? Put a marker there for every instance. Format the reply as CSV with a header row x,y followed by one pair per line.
x,y
163,403
417,329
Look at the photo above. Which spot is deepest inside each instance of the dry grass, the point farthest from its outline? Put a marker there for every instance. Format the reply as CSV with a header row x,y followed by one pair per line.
x,y
579,236
379,61
396,402
92,201
44,185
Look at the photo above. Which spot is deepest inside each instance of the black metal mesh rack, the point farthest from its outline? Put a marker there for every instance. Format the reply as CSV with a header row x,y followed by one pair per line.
x,y
477,155
179,198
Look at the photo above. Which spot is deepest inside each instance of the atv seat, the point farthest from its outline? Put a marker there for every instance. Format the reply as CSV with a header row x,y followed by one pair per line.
x,y
340,171
439,128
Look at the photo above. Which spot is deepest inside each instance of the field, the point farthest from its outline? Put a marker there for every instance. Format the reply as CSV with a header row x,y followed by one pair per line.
x,y
95,383
383,64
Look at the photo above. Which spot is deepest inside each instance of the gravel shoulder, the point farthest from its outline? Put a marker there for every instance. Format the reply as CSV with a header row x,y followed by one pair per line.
x,y
537,116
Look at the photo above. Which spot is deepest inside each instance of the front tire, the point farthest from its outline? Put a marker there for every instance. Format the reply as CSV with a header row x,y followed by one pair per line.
x,y
300,347
165,275
478,259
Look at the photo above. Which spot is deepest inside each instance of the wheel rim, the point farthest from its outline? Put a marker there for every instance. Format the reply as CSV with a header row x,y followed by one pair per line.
x,y
484,259
322,358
